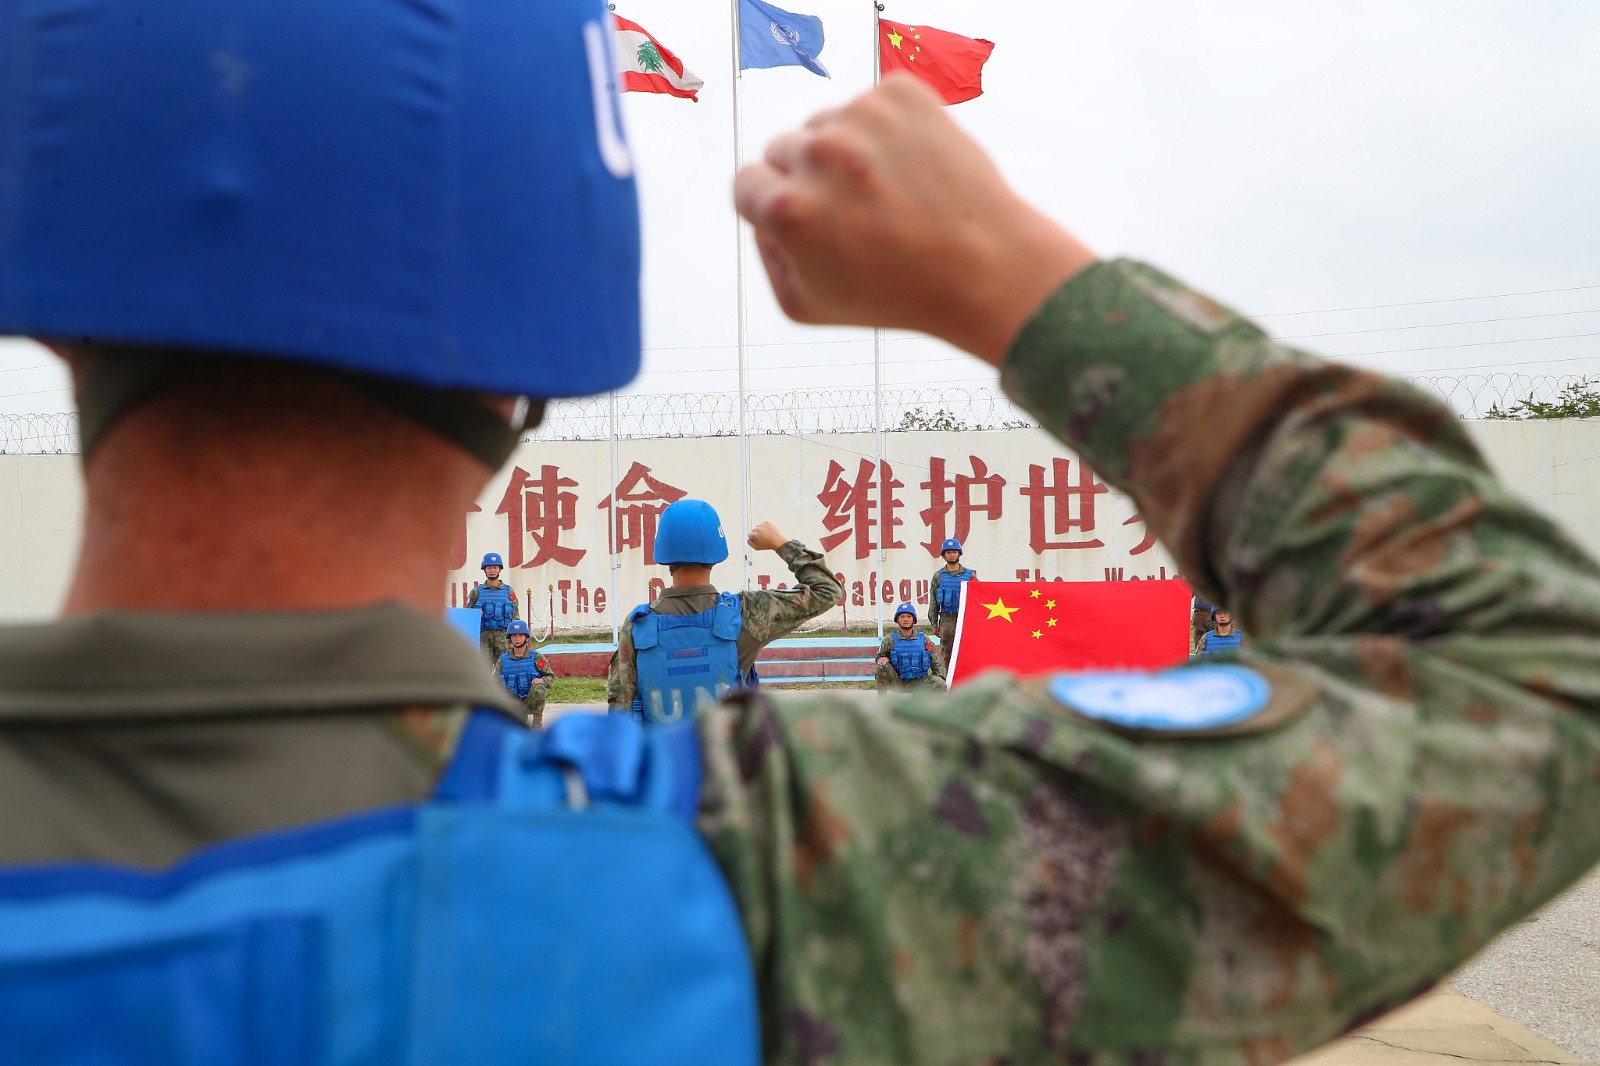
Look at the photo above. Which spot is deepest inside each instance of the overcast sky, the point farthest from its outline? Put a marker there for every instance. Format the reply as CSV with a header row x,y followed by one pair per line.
x,y
1287,158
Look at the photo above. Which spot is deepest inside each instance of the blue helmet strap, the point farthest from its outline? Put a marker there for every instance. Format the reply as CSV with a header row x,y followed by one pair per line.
x,y
123,378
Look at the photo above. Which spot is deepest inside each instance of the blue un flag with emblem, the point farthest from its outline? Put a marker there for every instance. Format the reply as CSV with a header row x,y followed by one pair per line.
x,y
772,37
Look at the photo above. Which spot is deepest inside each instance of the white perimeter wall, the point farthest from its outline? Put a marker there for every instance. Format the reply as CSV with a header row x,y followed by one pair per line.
x,y
1028,507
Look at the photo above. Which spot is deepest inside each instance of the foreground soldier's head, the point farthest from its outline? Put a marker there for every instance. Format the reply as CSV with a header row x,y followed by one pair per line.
x,y
302,260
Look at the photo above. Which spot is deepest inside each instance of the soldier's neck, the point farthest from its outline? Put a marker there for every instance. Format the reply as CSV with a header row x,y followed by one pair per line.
x,y
688,576
250,528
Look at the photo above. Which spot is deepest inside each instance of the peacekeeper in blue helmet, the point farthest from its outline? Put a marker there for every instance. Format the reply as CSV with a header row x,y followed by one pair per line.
x,y
307,255
944,595
694,645
524,672
497,605
906,660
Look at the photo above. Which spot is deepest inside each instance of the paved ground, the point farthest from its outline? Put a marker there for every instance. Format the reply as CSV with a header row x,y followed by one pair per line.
x,y
1444,1028
1545,972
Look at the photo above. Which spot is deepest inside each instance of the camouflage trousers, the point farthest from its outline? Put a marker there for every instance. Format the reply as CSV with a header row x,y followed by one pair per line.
x,y
947,638
889,681
493,643
534,702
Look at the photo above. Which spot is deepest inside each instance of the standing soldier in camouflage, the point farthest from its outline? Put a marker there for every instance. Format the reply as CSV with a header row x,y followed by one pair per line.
x,y
906,662
497,603
524,672
723,632
944,597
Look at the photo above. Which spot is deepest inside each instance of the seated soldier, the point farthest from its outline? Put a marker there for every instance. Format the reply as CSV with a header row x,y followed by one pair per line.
x,y
905,658
524,672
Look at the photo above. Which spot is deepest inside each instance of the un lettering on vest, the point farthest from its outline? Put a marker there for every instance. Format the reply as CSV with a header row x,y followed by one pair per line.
x,y
1024,507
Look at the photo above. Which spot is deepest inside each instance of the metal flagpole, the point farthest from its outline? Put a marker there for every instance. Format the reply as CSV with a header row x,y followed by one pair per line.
x,y
611,534
877,368
738,269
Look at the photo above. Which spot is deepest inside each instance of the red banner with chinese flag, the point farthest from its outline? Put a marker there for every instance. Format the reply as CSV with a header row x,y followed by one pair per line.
x,y
950,63
1041,627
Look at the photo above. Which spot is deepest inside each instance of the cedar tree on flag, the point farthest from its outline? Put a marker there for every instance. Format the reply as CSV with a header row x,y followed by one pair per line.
x,y
1044,627
645,65
950,63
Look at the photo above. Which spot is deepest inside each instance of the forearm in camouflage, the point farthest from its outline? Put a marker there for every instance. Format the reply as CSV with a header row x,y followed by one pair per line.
x,y
933,600
1424,773
622,678
773,613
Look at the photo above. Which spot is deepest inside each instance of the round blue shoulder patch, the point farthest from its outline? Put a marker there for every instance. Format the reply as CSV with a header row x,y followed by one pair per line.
x,y
1188,699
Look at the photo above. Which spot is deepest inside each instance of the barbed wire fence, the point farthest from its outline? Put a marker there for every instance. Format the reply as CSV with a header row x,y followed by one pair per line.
x,y
806,411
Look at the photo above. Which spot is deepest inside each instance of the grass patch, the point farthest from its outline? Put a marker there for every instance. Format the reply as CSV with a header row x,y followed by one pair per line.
x,y
578,690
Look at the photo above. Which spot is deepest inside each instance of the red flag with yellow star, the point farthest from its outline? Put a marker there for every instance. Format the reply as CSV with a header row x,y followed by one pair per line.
x,y
949,62
1041,627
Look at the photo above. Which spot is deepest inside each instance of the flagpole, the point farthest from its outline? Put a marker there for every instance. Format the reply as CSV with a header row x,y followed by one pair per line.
x,y
611,534
877,366
738,270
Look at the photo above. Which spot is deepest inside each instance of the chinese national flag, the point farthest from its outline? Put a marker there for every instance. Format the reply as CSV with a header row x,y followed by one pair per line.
x,y
1042,627
949,62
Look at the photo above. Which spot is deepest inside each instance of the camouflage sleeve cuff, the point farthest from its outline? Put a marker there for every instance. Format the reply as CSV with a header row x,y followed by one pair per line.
x,y
797,554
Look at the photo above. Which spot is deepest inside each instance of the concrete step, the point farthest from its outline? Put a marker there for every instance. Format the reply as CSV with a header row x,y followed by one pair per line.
x,y
858,667
781,658
816,679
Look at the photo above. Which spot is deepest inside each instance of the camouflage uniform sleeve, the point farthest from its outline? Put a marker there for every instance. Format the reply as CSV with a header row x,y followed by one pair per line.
x,y
885,644
773,613
622,679
987,876
935,660
933,599
472,598
543,665
516,610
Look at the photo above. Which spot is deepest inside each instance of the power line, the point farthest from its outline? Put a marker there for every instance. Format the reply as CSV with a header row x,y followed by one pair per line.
x,y
1473,344
1424,303
1496,366
1438,325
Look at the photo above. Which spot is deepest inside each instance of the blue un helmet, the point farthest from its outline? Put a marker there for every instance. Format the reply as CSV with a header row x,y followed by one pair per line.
x,y
689,531
518,626
492,559
439,201
906,608
951,545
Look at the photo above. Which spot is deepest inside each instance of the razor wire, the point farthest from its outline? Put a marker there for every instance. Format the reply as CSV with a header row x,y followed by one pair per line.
x,y
823,411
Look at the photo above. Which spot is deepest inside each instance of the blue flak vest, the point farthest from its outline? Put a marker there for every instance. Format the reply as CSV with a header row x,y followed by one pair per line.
x,y
949,591
500,921
910,657
684,661
518,675
1215,645
496,606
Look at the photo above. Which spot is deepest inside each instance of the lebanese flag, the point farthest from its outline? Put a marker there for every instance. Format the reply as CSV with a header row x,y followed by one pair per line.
x,y
949,62
645,65
1044,627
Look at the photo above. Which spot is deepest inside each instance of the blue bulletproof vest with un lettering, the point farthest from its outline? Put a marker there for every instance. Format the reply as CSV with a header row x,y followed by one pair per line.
x,y
405,935
685,660
518,675
496,606
910,657
949,591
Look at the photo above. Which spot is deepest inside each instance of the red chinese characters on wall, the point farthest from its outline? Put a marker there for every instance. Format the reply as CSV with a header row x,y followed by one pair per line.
x,y
1061,506
640,499
540,509
952,501
862,507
